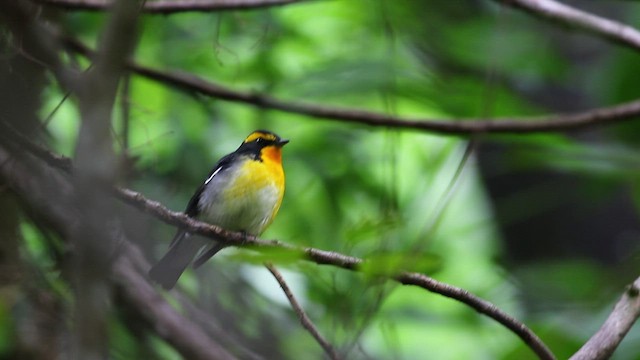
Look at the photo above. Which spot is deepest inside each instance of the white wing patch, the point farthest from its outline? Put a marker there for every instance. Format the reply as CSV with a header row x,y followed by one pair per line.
x,y
212,175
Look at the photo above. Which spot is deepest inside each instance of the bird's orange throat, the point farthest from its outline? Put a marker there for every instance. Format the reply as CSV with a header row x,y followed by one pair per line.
x,y
272,153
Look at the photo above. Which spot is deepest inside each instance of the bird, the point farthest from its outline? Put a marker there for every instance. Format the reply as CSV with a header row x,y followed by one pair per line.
x,y
242,192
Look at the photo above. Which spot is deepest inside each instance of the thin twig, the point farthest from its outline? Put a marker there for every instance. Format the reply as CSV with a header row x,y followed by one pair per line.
x,y
167,7
304,319
125,111
557,12
457,126
318,256
49,117
602,345
431,226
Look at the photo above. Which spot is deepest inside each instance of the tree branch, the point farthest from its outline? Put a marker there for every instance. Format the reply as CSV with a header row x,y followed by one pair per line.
x,y
557,12
304,319
602,345
321,257
49,193
167,7
459,126
183,334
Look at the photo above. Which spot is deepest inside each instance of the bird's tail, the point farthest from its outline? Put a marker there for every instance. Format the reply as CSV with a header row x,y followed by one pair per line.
x,y
183,249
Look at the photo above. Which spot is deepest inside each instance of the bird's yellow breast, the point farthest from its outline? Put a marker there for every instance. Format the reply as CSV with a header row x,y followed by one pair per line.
x,y
254,176
252,199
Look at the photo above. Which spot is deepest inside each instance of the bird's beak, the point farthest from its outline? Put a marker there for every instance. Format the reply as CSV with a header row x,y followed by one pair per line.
x,y
282,142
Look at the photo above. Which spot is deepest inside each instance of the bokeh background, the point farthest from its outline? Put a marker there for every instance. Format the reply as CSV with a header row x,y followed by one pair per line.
x,y
545,225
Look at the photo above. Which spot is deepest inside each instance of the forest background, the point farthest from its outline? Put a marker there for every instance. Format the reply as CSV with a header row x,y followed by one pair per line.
x,y
463,178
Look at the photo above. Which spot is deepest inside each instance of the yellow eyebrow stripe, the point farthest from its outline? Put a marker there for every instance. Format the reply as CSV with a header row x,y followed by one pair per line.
x,y
261,135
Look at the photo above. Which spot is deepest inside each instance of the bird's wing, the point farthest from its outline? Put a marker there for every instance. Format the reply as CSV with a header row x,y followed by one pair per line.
x,y
193,209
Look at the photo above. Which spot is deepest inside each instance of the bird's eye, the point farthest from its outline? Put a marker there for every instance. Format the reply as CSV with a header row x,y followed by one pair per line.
x,y
259,140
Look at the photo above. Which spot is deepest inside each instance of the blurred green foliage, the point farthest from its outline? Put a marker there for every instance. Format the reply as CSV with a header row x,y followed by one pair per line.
x,y
376,193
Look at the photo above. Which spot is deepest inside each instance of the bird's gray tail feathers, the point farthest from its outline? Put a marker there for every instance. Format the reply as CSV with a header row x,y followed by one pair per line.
x,y
183,249
206,255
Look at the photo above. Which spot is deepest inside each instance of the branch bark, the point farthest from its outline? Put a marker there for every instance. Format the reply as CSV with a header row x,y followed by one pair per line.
x,y
626,312
166,7
555,11
459,126
339,260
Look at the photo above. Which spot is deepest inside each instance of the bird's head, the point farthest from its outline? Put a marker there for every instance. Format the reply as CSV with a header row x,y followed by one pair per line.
x,y
265,144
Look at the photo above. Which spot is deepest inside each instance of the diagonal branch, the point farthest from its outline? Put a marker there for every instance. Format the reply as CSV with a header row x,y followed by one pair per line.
x,y
166,7
183,334
321,257
557,12
461,126
46,191
304,319
602,345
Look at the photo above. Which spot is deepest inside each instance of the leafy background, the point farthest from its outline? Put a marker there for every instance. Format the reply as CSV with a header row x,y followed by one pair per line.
x,y
545,226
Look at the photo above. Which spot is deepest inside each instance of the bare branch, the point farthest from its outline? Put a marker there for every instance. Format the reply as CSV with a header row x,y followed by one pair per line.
x,y
320,257
459,126
184,335
49,193
304,319
166,7
557,12
339,260
602,345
